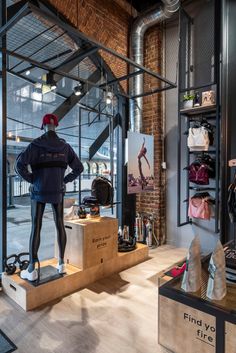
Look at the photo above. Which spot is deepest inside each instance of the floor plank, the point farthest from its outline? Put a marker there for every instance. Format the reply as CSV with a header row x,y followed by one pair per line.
x,y
116,314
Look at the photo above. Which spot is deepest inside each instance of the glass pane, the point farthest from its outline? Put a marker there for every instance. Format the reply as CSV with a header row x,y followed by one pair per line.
x,y
25,106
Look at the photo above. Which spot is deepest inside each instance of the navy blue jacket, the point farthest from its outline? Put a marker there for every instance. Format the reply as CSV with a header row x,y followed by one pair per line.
x,y
48,157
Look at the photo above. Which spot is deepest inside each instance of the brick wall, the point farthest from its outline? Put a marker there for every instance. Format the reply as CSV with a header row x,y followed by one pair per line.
x,y
104,21
154,202
108,23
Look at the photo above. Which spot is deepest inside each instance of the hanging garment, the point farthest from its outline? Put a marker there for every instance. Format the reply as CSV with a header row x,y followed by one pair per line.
x,y
208,161
210,129
216,286
199,173
199,208
191,281
232,202
198,139
48,156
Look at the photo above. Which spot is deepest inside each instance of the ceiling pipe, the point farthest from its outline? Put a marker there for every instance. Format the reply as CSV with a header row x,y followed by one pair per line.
x,y
138,30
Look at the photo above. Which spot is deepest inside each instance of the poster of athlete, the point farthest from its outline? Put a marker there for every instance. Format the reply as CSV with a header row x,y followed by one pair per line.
x,y
140,163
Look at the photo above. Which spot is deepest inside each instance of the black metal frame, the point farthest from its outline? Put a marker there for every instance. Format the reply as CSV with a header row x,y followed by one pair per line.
x,y
3,157
41,8
188,114
73,60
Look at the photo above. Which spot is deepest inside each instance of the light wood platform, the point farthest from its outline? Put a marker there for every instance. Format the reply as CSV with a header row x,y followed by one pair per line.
x,y
30,297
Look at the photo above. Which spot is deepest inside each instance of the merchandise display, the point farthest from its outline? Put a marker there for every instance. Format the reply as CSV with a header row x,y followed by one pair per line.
x,y
48,157
202,169
11,262
208,98
216,286
144,229
198,139
201,206
191,281
230,263
125,245
102,190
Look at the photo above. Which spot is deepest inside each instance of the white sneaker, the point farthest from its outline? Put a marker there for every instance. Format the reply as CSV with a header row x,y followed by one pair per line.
x,y
61,268
30,276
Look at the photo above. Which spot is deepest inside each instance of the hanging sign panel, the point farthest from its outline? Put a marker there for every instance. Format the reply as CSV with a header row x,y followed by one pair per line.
x,y
140,163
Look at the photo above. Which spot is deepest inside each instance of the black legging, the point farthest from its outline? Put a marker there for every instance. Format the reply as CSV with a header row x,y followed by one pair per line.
x,y
37,210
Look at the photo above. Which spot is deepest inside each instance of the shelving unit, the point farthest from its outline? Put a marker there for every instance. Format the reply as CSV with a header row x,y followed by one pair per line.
x,y
189,116
189,81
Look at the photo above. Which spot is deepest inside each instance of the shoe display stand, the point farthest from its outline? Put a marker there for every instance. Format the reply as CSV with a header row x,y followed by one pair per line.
x,y
190,322
98,259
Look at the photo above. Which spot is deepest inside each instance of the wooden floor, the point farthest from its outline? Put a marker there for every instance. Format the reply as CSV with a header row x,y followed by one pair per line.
x,y
115,315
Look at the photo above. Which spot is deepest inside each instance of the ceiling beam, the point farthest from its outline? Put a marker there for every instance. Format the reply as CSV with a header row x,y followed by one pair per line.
x,y
74,60
71,101
103,137
15,16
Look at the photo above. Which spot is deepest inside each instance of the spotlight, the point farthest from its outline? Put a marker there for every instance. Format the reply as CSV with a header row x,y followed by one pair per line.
x,y
53,86
27,72
109,98
78,90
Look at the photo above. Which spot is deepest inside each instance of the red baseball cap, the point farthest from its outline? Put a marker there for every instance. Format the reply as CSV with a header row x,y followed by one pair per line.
x,y
47,119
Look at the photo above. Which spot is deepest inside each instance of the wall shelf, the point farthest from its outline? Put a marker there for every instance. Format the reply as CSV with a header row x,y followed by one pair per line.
x,y
196,71
198,110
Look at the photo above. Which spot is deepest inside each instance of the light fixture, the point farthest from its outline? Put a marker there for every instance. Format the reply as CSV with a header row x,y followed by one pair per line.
x,y
27,72
17,139
50,81
9,134
78,90
109,97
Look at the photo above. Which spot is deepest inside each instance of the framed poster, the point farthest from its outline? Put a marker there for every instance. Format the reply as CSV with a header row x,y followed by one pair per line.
x,y
140,163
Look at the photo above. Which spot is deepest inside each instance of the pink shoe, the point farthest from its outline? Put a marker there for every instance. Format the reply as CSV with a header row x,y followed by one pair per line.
x,y
177,271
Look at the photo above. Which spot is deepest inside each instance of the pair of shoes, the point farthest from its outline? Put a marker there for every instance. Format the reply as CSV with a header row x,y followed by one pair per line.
x,y
30,276
61,268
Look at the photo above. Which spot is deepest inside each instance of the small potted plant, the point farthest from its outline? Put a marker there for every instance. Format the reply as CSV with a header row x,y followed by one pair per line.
x,y
188,100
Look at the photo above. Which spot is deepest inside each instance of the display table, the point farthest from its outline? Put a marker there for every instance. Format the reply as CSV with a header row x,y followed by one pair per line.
x,y
192,323
90,241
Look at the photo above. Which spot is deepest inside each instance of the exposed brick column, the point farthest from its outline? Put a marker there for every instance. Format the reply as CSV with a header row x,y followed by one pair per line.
x,y
154,202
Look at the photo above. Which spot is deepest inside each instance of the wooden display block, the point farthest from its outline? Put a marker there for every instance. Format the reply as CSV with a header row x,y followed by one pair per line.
x,y
185,329
90,241
230,337
30,297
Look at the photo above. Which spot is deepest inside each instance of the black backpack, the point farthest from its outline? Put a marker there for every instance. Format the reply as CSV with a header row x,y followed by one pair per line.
x,y
102,190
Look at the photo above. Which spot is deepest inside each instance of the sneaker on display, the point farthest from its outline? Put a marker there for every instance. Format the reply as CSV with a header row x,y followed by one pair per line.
x,y
61,268
30,276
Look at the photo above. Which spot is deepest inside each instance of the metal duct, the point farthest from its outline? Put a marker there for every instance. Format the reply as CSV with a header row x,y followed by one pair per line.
x,y
139,28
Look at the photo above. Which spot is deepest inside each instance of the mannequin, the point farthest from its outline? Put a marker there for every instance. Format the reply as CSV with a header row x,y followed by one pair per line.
x,y
48,157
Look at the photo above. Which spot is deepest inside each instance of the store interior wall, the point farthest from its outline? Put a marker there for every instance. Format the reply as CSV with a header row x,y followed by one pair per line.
x,y
180,236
